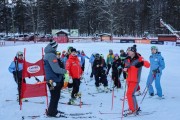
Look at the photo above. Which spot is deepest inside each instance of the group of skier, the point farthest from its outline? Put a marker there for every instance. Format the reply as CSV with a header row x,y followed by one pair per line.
x,y
71,65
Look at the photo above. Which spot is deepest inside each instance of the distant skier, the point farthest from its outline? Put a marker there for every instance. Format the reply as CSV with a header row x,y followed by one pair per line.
x,y
81,59
109,60
85,56
54,76
99,70
132,66
116,70
91,60
64,57
123,56
157,65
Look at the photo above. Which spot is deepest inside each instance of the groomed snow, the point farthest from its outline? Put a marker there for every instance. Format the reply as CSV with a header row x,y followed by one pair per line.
x,y
166,109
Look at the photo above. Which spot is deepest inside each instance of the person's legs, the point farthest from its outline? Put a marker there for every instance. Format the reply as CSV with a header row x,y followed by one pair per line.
x,y
149,84
55,96
132,102
76,84
158,85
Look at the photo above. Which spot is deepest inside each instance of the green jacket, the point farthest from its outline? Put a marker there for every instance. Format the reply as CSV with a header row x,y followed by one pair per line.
x,y
110,59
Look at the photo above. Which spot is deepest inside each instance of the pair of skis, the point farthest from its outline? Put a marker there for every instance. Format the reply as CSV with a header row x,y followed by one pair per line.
x,y
63,115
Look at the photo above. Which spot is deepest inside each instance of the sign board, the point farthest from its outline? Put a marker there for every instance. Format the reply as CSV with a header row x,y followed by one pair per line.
x,y
127,41
157,42
178,44
74,32
169,43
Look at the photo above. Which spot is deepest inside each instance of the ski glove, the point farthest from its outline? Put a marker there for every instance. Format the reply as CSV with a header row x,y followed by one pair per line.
x,y
14,73
156,71
119,67
139,64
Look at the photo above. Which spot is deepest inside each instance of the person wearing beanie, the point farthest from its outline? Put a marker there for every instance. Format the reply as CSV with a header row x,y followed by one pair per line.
x,y
99,70
53,43
116,70
64,57
109,60
81,59
54,77
157,65
84,57
123,56
75,73
91,60
16,68
133,64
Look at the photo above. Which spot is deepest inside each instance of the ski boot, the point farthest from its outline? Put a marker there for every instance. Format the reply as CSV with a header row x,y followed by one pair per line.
x,y
106,90
71,101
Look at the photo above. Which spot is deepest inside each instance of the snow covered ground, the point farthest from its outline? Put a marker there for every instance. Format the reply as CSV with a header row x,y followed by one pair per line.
x,y
165,109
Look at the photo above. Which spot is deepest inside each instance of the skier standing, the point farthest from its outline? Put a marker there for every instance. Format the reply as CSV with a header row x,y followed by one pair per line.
x,y
157,65
123,56
109,61
132,66
75,72
116,70
85,56
16,68
99,69
91,60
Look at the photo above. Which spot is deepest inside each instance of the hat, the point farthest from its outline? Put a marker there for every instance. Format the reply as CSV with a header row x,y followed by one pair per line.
x,y
19,53
110,50
73,50
154,47
58,53
97,55
78,51
135,45
133,49
116,55
122,50
53,43
102,55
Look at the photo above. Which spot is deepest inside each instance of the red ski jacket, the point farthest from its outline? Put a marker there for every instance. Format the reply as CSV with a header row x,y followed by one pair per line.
x,y
133,71
74,67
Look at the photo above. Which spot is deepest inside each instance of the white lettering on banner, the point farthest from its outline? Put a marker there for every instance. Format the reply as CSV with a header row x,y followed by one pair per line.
x,y
33,69
170,43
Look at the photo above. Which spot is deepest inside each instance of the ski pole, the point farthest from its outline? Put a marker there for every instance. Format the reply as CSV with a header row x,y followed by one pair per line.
x,y
154,75
123,100
144,90
124,97
87,69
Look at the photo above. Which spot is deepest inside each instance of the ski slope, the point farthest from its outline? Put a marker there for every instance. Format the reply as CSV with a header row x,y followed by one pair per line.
x,y
166,109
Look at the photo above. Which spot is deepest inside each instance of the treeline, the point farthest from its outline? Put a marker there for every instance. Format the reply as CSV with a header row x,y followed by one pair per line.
x,y
117,17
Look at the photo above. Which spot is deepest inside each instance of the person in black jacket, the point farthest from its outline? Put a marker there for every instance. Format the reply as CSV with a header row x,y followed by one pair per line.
x,y
116,70
99,67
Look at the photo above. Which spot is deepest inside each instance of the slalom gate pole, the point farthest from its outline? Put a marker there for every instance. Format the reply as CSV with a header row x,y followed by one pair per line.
x,y
112,97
